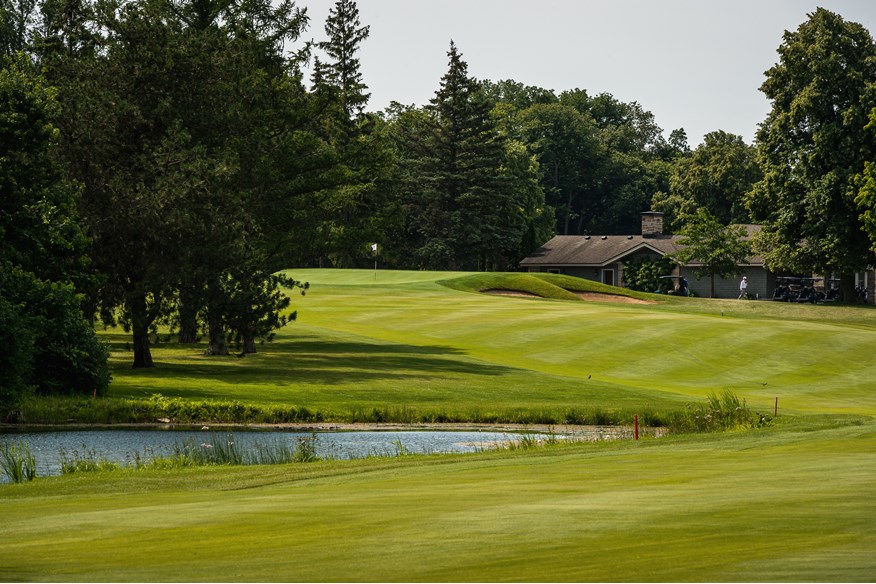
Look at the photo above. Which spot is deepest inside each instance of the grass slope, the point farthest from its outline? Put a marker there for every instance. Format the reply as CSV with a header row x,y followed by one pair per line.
x,y
404,340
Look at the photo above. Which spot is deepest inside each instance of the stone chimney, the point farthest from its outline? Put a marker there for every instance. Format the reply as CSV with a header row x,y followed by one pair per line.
x,y
652,223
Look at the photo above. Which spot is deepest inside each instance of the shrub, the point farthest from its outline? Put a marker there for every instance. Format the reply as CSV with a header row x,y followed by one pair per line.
x,y
65,355
643,273
16,358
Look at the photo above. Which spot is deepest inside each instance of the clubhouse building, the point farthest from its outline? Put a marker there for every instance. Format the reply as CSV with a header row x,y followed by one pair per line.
x,y
601,258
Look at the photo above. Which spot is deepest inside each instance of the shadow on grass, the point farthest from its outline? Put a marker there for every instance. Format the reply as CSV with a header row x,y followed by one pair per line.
x,y
306,359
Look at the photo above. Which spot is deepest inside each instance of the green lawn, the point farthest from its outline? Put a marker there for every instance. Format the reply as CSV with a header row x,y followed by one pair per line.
x,y
401,339
792,502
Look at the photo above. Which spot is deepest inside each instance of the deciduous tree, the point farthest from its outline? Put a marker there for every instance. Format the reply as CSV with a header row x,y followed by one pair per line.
x,y
716,176
48,345
812,145
717,249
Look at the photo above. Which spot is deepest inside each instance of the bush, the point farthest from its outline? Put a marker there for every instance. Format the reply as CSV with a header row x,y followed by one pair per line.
x,y
643,273
16,358
58,350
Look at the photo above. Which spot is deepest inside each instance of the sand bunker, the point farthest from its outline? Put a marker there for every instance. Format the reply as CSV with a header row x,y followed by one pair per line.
x,y
591,296
597,297
503,292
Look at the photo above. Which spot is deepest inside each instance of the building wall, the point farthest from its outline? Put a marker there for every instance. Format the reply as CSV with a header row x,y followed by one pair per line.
x,y
761,284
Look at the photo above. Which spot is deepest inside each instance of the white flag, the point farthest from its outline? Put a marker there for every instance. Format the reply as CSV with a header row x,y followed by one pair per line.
x,y
374,247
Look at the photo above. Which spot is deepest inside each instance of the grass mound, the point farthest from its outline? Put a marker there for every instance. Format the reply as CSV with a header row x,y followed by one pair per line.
x,y
525,283
544,285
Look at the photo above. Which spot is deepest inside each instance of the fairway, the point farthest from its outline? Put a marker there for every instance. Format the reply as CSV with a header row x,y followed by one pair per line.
x,y
793,501
394,339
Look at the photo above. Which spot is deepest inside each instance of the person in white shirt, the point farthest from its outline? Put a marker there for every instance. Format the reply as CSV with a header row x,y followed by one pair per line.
x,y
743,288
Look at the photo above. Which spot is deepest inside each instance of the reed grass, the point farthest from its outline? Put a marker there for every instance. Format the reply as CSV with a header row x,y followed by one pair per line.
x,y
85,460
17,462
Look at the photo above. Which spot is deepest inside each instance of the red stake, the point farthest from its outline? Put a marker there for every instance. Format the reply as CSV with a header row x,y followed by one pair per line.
x,y
636,426
776,409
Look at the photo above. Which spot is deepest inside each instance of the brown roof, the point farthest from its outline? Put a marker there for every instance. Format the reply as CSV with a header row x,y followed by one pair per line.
x,y
601,250
597,250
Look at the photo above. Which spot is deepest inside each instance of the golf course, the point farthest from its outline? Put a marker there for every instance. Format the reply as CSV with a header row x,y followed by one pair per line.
x,y
790,497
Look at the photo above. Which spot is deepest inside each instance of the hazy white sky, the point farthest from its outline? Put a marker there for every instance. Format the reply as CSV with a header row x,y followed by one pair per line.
x,y
696,65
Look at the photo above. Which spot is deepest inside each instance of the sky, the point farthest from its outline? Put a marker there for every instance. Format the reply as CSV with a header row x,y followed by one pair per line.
x,y
696,65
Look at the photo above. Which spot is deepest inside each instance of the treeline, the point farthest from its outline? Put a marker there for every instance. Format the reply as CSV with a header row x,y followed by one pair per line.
x,y
164,160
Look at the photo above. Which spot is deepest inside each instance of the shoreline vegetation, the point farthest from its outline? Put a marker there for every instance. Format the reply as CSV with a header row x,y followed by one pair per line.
x,y
723,412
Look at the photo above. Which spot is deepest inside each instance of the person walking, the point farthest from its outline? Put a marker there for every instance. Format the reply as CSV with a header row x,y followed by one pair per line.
x,y
743,288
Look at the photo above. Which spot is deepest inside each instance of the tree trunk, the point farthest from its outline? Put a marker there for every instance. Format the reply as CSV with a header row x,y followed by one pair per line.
x,y
568,213
188,319
140,322
249,346
218,344
847,288
215,321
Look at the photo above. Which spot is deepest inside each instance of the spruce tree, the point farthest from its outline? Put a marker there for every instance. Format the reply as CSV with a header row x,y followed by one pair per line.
x,y
462,203
350,224
345,34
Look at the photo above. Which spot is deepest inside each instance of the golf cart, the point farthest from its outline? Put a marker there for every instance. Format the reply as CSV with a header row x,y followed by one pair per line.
x,y
801,289
673,285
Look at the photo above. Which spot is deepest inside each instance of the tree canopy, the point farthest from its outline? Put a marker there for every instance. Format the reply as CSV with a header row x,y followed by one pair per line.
x,y
812,145
716,176
48,345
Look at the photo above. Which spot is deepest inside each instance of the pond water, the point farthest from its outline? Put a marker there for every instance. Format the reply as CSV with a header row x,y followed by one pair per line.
x,y
49,448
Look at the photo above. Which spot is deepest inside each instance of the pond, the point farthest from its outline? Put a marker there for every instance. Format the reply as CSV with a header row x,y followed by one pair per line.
x,y
51,447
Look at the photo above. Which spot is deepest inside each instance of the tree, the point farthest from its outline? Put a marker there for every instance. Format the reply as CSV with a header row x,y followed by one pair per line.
x,y
48,345
716,176
717,248
358,139
517,95
812,145
191,132
16,25
632,165
460,204
865,182
566,145
345,34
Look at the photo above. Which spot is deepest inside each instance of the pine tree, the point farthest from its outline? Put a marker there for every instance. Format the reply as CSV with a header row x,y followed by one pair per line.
x,y
345,34
462,203
349,225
